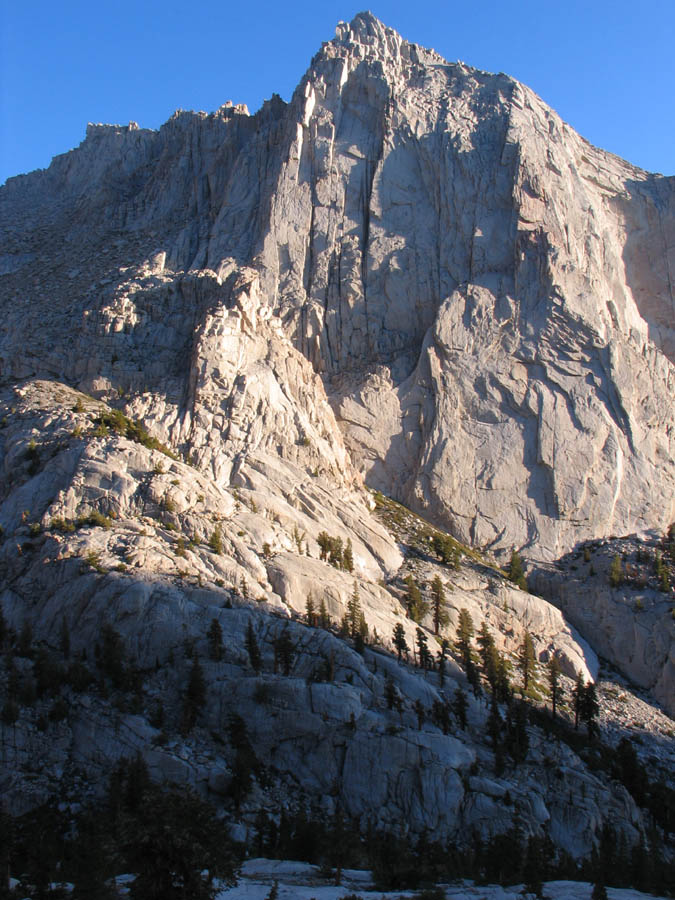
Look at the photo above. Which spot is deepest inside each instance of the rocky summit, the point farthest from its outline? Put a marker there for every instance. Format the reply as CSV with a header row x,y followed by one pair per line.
x,y
287,400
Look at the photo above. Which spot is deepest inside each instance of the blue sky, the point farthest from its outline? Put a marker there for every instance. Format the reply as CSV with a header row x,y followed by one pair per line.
x,y
608,68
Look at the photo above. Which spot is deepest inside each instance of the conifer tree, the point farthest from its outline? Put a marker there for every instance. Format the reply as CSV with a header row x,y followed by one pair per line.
x,y
335,553
310,611
420,712
442,656
195,695
502,685
577,697
440,615
658,563
354,611
348,557
534,866
589,708
464,635
415,602
616,572
488,654
599,891
344,631
324,618
215,640
423,649
446,548
400,642
495,724
216,540
527,660
389,692
516,570
664,580
252,648
517,741
284,652
112,655
363,627
459,707
553,672
324,542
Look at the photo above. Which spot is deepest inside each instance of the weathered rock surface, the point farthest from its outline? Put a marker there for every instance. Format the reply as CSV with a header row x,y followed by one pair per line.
x,y
486,297
413,272
102,530
632,624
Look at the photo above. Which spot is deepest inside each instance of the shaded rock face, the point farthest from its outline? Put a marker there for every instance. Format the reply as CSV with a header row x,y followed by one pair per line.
x,y
99,530
630,624
486,297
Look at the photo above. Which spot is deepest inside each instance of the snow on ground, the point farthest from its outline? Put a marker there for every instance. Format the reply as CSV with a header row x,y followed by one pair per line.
x,y
302,881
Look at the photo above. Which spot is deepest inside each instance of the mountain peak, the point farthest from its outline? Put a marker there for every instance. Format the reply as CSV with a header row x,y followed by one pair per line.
x,y
365,29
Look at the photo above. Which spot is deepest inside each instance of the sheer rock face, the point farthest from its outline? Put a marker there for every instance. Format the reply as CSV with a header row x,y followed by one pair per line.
x,y
486,298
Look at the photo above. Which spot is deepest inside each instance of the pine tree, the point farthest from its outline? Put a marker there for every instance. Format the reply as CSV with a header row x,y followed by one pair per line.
x,y
446,548
589,708
527,660
389,692
440,715
423,649
348,557
284,652
502,686
324,618
664,580
112,656
516,570
495,724
215,640
488,655
400,642
252,648
216,540
195,695
310,610
464,635
420,712
459,707
176,847
577,697
415,602
616,572
336,552
354,611
517,740
324,542
534,866
442,656
344,630
553,672
363,627
440,615
658,563
599,890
